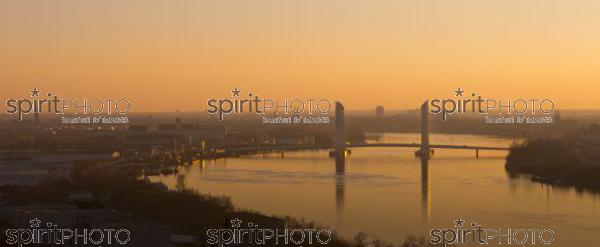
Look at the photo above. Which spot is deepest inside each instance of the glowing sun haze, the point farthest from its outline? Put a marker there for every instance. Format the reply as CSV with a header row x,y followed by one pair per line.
x,y
168,55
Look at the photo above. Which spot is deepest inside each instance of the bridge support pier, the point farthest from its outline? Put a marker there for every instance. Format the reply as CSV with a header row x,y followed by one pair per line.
x,y
477,153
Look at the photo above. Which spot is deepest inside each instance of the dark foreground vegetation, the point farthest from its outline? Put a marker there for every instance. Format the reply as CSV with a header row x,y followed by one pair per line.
x,y
571,159
184,211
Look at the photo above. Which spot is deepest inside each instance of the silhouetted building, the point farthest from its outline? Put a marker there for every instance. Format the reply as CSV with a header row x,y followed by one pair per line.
x,y
379,111
165,134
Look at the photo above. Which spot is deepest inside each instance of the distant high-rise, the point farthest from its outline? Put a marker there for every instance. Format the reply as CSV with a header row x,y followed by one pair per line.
x,y
379,111
178,123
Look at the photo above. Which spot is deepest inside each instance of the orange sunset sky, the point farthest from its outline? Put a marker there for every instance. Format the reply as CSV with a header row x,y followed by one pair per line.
x,y
168,55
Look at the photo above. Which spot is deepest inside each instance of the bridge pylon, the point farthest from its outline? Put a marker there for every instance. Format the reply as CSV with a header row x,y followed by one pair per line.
x,y
425,148
340,129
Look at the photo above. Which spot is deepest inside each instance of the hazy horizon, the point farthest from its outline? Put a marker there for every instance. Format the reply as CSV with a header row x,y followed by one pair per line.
x,y
172,56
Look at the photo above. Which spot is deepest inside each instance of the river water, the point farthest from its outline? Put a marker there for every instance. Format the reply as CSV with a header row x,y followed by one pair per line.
x,y
389,193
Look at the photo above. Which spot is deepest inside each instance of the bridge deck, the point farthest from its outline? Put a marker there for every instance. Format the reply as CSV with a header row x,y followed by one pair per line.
x,y
412,145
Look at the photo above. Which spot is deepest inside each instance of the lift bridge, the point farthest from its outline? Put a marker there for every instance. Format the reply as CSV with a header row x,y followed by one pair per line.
x,y
424,149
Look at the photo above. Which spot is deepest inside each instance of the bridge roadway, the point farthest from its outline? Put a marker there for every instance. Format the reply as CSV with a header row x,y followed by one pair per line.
x,y
405,145
341,144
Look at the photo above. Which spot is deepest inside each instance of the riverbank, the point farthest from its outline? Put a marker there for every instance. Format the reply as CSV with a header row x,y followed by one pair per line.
x,y
573,159
187,213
